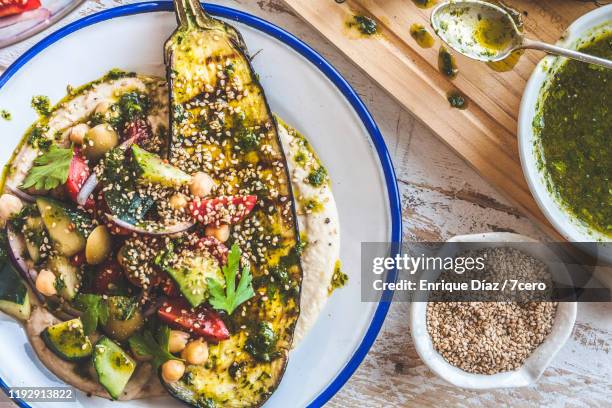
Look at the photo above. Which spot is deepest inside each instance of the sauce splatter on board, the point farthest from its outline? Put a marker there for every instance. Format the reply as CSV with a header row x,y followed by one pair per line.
x,y
508,63
364,25
424,4
457,100
421,35
446,63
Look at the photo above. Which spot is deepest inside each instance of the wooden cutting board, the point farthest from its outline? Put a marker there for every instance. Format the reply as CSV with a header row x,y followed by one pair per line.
x,y
484,134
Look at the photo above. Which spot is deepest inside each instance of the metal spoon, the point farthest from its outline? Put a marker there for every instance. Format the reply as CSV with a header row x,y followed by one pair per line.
x,y
487,32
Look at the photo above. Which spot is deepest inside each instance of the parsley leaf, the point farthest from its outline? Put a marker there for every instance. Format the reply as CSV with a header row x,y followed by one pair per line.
x,y
145,344
94,309
50,170
232,297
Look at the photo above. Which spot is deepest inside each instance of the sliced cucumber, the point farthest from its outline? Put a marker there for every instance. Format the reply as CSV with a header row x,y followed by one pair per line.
x,y
68,340
68,276
191,277
34,232
154,170
67,227
113,366
14,297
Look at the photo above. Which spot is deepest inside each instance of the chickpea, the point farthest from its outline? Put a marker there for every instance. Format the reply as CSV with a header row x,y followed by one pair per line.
x,y
196,352
222,232
45,282
178,340
201,184
178,202
77,133
173,370
102,107
99,140
9,205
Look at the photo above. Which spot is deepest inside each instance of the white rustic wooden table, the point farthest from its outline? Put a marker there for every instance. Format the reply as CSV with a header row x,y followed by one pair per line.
x,y
441,197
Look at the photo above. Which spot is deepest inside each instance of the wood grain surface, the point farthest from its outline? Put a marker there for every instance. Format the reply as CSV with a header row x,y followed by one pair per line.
x,y
484,134
441,196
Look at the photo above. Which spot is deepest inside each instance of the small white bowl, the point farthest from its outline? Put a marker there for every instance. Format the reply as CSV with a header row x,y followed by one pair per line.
x,y
534,365
565,223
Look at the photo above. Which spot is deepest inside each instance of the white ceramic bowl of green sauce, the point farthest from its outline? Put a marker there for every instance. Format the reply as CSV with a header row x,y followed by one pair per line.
x,y
594,23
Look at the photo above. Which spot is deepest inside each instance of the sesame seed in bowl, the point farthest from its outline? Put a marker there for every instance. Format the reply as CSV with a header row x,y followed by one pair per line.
x,y
483,345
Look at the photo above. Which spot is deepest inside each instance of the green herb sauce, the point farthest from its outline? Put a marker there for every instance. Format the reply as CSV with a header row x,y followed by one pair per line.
x,y
6,115
446,63
312,205
36,137
575,125
317,177
42,105
424,4
366,25
494,34
508,63
457,100
421,35
339,278
262,343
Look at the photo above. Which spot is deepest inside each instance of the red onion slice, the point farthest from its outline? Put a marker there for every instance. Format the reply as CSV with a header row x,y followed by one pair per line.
x,y
166,230
88,187
21,194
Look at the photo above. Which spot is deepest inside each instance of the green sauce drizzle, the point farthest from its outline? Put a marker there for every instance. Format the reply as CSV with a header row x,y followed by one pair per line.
x,y
42,105
6,115
446,63
365,25
457,100
421,35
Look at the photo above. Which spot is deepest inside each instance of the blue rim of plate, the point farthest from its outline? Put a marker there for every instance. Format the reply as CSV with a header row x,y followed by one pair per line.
x,y
333,75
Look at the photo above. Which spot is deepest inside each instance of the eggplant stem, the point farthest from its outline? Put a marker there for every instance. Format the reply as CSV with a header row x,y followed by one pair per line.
x,y
190,14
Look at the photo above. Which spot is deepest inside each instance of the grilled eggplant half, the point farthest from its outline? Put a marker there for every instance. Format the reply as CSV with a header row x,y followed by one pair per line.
x,y
221,124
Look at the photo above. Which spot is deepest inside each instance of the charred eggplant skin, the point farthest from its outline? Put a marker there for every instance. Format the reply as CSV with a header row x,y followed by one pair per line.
x,y
221,124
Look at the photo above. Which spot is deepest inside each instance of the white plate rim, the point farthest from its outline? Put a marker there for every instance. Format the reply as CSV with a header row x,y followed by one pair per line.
x,y
343,86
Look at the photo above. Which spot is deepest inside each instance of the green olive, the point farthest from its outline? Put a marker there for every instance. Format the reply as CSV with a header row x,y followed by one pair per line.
x,y
99,140
98,245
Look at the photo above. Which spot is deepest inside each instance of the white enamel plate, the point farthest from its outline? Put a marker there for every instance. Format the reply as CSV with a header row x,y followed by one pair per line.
x,y
309,94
